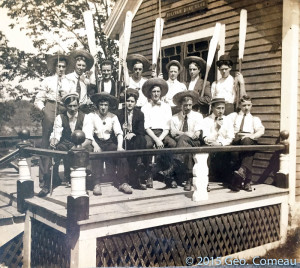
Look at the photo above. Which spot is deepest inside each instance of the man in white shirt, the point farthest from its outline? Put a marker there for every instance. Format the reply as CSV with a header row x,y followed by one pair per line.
x,y
227,86
81,62
174,69
138,64
108,136
49,99
64,125
107,83
157,118
248,130
218,131
186,128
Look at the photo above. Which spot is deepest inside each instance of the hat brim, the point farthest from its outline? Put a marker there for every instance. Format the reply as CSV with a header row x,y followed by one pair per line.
x,y
176,63
70,95
80,53
131,59
218,100
187,93
52,61
113,101
152,82
201,62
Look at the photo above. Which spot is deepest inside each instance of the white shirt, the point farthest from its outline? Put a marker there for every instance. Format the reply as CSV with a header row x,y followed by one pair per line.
x,y
224,135
174,87
107,86
157,116
104,128
86,127
252,124
224,88
193,83
142,100
194,121
52,87
84,82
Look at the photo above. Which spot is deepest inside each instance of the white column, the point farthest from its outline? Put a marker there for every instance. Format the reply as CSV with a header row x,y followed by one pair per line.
x,y
27,242
78,182
200,177
24,165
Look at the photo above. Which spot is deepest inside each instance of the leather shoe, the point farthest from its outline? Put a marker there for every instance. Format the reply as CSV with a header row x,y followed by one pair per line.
x,y
139,186
240,173
125,188
97,190
43,192
173,184
247,187
188,185
149,182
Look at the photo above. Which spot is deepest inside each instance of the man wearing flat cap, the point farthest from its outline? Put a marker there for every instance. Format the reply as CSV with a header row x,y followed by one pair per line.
x,y
108,136
132,123
64,125
48,99
81,62
174,69
137,64
218,131
227,86
195,65
157,117
107,83
186,128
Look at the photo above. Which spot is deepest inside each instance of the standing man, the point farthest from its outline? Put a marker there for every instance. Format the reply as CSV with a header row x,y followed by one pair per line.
x,y
174,69
107,83
82,61
248,129
226,87
218,131
157,118
65,124
108,136
195,65
137,64
186,128
48,99
132,123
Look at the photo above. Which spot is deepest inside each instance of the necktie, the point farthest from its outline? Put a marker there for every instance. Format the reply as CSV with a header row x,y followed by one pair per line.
x,y
185,127
218,122
78,88
242,123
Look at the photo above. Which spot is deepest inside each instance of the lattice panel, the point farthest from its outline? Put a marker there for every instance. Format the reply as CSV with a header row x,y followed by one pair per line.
x,y
48,247
170,245
11,252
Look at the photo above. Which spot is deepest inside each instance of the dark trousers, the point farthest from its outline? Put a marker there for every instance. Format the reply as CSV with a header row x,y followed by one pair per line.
x,y
47,128
112,165
185,141
219,167
244,159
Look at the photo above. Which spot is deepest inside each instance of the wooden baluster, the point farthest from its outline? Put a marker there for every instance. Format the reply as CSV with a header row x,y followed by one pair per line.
x,y
282,176
200,177
25,185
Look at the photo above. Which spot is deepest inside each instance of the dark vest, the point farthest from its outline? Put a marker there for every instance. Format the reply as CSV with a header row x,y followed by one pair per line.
x,y
66,133
113,87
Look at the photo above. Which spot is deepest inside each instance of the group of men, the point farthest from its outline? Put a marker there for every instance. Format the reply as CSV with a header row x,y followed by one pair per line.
x,y
157,114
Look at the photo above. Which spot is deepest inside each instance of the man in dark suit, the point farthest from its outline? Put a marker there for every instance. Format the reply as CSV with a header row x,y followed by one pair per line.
x,y
195,65
132,123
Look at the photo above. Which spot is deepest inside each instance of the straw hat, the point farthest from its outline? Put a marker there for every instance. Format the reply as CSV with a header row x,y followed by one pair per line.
x,y
177,99
176,63
201,62
152,82
131,60
52,61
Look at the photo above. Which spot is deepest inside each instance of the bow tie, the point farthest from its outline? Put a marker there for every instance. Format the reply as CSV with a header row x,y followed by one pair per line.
x,y
157,103
218,118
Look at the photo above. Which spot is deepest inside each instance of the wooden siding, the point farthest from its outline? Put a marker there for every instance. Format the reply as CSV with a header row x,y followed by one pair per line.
x,y
297,192
262,61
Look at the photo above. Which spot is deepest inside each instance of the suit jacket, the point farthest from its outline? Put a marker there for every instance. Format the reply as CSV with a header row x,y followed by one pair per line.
x,y
137,120
113,90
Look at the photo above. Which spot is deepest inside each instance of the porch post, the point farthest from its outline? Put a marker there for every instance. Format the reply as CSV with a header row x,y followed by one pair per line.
x,y
27,242
25,186
282,176
200,177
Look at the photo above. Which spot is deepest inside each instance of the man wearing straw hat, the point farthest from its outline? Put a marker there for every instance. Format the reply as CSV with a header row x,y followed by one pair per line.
x,y
186,129
80,62
137,64
174,69
218,131
48,100
195,65
60,139
108,136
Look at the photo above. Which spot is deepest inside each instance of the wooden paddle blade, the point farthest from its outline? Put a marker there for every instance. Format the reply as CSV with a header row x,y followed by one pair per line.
x,y
242,33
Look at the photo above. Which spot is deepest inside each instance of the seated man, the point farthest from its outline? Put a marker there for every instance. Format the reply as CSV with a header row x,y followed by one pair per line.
x,y
218,131
60,138
108,136
248,129
186,127
157,118
132,122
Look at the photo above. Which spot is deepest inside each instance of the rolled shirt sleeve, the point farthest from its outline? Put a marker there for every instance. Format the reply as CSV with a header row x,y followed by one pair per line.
x,y
57,129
